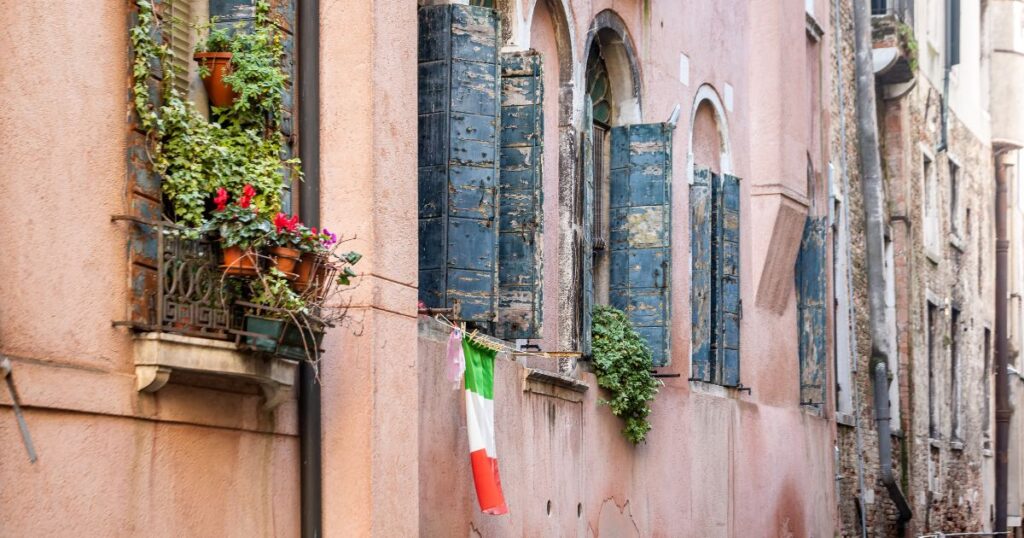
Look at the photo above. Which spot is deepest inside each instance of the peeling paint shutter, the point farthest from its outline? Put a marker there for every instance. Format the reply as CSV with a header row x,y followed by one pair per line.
x,y
700,274
587,254
458,168
640,192
811,302
725,291
232,12
519,244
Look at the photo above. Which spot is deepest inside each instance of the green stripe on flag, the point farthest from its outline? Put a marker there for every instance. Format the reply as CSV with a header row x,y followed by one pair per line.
x,y
479,368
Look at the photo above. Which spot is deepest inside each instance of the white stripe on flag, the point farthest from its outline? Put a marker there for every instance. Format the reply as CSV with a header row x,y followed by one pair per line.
x,y
480,423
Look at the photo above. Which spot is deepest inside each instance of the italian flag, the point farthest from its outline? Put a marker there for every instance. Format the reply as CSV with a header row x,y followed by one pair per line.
x,y
480,425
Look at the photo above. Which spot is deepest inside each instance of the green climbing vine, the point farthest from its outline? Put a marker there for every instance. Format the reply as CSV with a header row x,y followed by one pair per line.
x,y
623,364
237,146
907,34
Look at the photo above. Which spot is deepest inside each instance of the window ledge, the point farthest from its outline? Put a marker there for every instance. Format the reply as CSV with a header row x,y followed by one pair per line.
x,y
845,419
714,389
956,445
935,443
933,255
158,355
553,384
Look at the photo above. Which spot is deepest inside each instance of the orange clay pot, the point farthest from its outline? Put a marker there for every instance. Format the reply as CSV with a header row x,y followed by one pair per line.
x,y
238,262
285,259
219,64
305,271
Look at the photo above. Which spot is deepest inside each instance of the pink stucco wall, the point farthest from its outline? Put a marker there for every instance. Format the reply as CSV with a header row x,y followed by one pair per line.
x,y
718,462
189,460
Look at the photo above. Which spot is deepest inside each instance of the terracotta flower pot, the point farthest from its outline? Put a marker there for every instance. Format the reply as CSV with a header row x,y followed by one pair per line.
x,y
219,65
285,259
305,270
238,262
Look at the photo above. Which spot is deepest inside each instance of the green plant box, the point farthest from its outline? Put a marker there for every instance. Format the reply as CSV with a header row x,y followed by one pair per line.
x,y
292,347
270,329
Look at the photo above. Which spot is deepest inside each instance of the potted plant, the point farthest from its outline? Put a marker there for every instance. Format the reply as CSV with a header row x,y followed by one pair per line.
x,y
214,57
241,230
284,250
314,257
250,81
301,340
273,305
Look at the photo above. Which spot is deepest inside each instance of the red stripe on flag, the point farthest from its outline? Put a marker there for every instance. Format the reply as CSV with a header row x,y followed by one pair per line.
x,y
488,483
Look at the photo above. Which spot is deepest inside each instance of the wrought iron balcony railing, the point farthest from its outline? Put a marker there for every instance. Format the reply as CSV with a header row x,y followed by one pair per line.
x,y
177,285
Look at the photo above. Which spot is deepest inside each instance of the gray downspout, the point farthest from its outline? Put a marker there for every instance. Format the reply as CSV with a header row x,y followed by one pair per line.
x,y
874,217
310,439
1003,410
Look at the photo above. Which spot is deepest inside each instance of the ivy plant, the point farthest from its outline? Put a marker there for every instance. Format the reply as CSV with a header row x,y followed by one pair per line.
x,y
242,145
622,362
273,291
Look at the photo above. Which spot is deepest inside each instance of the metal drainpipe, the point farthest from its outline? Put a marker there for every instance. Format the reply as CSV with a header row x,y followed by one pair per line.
x,y
874,217
1003,410
310,439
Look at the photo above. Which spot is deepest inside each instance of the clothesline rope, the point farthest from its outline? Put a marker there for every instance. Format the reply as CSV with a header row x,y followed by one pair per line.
x,y
491,342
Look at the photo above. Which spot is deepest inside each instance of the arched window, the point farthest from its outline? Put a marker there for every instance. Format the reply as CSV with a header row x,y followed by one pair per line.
x,y
599,96
626,193
715,303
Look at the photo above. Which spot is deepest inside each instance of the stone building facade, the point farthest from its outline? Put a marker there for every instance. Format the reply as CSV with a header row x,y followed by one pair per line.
x,y
937,145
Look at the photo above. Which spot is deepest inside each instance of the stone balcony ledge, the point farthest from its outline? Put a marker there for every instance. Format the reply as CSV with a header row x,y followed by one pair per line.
x,y
158,355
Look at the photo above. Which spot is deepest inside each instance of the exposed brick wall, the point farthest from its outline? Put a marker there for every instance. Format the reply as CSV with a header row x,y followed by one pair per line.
x,y
956,500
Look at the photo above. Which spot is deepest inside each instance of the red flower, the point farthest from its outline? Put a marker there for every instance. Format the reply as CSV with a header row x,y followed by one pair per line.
x,y
247,195
282,222
221,199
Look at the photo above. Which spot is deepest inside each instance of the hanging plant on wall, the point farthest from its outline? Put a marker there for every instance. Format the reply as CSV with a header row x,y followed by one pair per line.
x,y
623,364
239,144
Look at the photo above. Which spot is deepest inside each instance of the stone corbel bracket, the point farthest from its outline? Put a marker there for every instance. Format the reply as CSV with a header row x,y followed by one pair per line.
x,y
158,355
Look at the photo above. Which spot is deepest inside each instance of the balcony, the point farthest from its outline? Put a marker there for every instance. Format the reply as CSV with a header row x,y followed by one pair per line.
x,y
187,316
895,50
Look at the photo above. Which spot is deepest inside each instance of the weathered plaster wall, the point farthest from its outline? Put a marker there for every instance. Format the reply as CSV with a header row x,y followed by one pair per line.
x,y
199,457
711,467
719,462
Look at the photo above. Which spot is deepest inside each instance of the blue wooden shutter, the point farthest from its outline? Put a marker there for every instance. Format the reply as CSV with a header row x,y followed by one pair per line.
x,y
700,274
587,250
641,229
458,165
811,303
725,286
519,244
